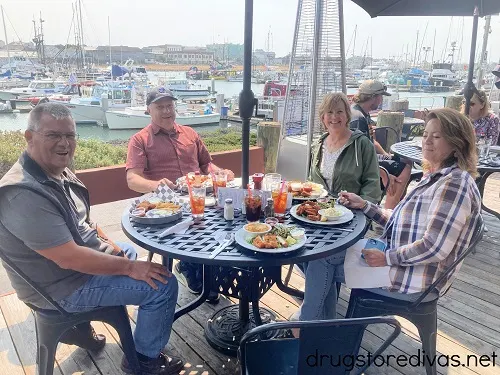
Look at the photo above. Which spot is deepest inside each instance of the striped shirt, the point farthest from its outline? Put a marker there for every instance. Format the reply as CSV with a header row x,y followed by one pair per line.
x,y
171,154
429,229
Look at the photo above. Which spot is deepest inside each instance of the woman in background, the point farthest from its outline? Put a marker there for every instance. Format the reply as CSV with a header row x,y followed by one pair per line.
x,y
486,123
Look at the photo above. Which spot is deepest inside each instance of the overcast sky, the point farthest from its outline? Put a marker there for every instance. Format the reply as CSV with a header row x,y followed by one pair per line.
x,y
200,22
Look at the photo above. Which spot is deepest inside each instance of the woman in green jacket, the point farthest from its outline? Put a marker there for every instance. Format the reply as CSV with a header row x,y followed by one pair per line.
x,y
343,159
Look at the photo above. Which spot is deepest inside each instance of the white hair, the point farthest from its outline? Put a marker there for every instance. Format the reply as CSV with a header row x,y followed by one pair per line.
x,y
57,110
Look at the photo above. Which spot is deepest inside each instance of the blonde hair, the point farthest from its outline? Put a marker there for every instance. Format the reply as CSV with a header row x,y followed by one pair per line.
x,y
459,132
482,98
330,100
362,98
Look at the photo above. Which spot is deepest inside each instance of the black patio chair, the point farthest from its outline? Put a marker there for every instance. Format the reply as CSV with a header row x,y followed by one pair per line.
x,y
50,325
383,186
382,135
409,131
339,338
418,308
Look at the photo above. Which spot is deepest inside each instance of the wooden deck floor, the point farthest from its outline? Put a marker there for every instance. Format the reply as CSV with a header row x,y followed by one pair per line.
x,y
469,324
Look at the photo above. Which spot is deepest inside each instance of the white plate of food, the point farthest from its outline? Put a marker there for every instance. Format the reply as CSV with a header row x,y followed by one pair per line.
x,y
154,212
306,190
273,242
206,181
308,212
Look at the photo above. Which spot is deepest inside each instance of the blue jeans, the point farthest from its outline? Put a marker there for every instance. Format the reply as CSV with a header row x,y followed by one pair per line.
x,y
156,307
320,295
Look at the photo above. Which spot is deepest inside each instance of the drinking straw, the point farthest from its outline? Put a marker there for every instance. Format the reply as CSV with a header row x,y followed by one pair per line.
x,y
249,191
282,186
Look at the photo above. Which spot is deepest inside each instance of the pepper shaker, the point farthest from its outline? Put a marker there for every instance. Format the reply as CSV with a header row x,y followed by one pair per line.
x,y
269,210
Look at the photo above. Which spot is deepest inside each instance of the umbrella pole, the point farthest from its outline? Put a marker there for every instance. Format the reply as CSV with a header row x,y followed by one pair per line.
x,y
247,100
469,88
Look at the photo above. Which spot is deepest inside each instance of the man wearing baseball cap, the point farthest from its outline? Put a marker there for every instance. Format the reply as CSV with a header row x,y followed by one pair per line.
x,y
496,73
161,153
369,98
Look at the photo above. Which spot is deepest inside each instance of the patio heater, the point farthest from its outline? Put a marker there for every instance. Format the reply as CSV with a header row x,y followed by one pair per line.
x,y
317,67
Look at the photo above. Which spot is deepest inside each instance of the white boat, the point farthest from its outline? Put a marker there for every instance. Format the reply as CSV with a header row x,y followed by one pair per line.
x,y
115,95
443,75
43,87
182,89
138,118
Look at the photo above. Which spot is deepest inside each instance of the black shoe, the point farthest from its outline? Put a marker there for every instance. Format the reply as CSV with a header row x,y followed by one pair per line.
x,y
84,336
213,298
188,278
163,365
194,284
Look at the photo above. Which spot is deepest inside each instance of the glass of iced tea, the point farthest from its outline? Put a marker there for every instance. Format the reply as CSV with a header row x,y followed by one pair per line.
x,y
220,178
280,197
253,205
197,200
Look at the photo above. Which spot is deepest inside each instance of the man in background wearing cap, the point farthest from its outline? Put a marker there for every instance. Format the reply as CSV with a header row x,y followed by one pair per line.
x,y
161,153
369,98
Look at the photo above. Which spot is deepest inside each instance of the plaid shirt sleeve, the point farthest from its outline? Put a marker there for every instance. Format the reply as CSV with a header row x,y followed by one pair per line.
x,y
449,209
376,213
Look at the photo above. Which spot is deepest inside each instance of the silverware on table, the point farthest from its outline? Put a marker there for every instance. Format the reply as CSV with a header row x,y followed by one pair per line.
x,y
228,240
343,229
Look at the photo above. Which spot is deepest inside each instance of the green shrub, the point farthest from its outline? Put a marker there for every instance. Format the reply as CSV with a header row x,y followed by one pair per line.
x,y
94,153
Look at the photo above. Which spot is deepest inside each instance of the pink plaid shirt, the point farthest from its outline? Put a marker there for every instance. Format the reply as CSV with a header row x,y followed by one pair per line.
x,y
171,154
429,229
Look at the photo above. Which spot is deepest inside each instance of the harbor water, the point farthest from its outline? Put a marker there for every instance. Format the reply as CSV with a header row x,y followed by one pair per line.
x,y
18,121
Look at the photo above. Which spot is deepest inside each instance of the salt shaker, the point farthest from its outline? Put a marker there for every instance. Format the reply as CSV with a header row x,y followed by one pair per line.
x,y
228,209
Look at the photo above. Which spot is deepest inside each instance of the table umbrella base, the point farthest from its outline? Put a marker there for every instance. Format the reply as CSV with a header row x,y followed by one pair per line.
x,y
224,329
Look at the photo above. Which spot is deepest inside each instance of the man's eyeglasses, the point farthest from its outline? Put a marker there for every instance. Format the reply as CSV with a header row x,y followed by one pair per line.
x,y
57,137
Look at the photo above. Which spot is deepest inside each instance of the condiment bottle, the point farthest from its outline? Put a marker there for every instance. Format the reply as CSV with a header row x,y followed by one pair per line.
x,y
269,210
228,209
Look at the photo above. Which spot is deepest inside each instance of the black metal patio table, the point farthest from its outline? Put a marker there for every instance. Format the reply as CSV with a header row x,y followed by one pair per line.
x,y
238,272
412,152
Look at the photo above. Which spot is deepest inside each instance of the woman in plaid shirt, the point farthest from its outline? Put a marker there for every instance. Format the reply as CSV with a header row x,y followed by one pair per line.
x,y
427,230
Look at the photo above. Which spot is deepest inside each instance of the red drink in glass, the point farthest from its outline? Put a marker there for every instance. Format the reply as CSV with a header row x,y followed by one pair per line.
x,y
253,206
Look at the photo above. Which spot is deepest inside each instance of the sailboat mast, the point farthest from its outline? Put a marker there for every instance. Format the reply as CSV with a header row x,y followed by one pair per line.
x,y
6,41
482,58
109,42
81,33
433,47
354,41
415,56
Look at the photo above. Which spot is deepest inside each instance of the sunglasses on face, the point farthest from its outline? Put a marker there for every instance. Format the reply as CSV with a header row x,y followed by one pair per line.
x,y
382,90
472,104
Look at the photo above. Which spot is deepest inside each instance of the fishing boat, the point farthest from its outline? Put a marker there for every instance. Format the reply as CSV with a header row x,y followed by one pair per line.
x,y
115,95
42,87
138,118
181,88
443,75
